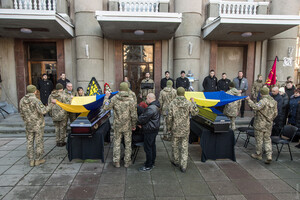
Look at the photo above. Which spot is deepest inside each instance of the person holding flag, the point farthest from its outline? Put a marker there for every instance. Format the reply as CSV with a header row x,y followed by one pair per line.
x,y
272,79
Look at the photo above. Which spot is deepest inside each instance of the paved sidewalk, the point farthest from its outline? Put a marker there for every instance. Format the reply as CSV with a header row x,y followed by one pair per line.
x,y
60,179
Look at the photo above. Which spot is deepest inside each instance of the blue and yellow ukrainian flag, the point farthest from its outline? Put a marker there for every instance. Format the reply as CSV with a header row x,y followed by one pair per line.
x,y
212,99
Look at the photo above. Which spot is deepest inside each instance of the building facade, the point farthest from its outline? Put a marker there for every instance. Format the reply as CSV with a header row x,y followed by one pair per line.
x,y
111,39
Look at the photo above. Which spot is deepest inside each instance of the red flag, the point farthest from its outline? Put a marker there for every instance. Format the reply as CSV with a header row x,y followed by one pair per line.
x,y
271,80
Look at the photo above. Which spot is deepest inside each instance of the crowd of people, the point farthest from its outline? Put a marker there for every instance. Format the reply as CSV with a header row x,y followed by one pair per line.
x,y
171,106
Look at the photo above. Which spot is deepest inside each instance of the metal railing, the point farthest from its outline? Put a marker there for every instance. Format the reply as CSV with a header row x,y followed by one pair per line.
x,y
138,5
237,8
35,4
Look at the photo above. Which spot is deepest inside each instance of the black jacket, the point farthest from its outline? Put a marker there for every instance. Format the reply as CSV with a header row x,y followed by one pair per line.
x,y
285,108
210,84
45,88
279,100
223,84
289,92
183,82
163,83
63,82
150,118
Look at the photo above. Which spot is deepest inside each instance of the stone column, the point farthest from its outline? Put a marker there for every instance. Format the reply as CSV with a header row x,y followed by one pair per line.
x,y
280,43
187,39
89,42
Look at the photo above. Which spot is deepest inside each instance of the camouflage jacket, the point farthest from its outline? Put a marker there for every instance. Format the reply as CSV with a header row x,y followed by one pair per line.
x,y
266,111
32,111
145,92
69,95
179,116
56,112
256,88
165,98
125,114
132,95
232,109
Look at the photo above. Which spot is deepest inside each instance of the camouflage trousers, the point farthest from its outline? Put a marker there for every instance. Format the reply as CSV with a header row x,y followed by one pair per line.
x,y
35,138
60,130
232,123
263,138
167,135
117,146
71,116
180,150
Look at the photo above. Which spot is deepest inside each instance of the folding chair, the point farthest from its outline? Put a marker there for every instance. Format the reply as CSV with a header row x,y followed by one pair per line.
x,y
136,150
245,129
2,105
286,137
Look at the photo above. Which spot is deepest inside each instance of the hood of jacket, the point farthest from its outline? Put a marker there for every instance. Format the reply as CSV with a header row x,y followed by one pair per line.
x,y
234,91
167,89
122,95
181,102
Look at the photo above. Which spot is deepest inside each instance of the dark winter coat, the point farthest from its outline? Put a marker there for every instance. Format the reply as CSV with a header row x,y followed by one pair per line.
x,y
150,118
289,92
279,100
223,84
293,107
285,108
63,82
210,84
45,87
183,82
163,83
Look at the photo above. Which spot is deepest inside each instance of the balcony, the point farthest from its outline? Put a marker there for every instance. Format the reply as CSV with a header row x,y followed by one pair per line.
x,y
138,20
35,19
244,21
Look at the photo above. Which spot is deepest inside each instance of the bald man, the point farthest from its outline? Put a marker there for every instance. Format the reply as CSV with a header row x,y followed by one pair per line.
x,y
278,120
149,120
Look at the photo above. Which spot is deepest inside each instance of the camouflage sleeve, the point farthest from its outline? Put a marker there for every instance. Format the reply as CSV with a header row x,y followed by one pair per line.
x,y
49,99
256,106
108,103
253,91
133,115
160,100
41,108
21,110
194,109
170,117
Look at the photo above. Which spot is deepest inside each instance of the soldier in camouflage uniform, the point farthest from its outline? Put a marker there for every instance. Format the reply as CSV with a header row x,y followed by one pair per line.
x,y
257,85
231,110
165,98
179,126
266,111
59,115
125,118
32,111
70,94
145,92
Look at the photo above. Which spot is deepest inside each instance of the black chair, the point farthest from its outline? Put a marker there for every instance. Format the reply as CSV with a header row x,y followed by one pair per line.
x,y
249,133
136,148
2,105
245,129
286,137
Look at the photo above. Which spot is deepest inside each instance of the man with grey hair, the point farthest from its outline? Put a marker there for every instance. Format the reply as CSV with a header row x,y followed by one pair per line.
x,y
278,120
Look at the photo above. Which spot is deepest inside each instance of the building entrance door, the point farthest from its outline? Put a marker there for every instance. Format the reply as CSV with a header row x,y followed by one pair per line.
x,y
137,60
37,68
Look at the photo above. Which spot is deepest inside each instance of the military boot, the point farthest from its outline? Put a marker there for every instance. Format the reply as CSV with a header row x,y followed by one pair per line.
x,y
117,164
269,160
256,156
127,164
31,163
39,162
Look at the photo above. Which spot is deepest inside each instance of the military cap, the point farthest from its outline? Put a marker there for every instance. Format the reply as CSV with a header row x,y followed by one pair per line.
x,y
264,91
180,91
31,89
123,86
231,84
169,83
59,86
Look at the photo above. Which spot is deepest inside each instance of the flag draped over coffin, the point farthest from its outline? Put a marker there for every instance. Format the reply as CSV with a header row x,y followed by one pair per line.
x,y
212,99
84,104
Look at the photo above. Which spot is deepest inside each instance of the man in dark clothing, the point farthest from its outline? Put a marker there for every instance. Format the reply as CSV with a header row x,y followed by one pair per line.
x,y
163,82
210,82
289,88
182,81
63,80
277,121
149,120
241,84
45,87
223,84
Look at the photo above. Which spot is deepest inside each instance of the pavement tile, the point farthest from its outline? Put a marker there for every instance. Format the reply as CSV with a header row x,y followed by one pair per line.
x,y
4,191
237,173
60,179
189,175
262,174
81,192
201,198
170,189
3,153
68,168
230,197
34,179
9,160
110,191
16,154
250,163
295,183
8,147
216,175
286,173
133,178
249,186
86,179
44,168
289,196
163,177
3,168
18,169
10,180
276,186
225,164
191,188
109,167
260,197
138,190
22,192
92,167
207,166
169,198
52,193
223,188
112,178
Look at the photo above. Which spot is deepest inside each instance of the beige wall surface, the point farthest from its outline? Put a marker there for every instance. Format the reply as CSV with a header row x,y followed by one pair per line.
x,y
8,71
230,61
